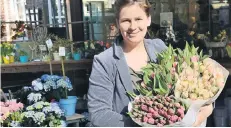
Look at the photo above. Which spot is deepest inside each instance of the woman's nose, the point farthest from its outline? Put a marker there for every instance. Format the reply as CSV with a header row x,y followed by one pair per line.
x,y
133,25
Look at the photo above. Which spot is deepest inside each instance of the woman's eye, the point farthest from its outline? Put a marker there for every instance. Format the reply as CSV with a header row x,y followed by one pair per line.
x,y
125,21
138,19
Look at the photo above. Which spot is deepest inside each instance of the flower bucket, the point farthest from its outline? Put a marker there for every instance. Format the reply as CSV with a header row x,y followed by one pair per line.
x,y
76,56
6,59
56,57
11,59
68,105
23,59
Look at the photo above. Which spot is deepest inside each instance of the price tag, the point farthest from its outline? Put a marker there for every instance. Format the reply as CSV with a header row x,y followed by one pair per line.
x,y
49,44
43,47
61,51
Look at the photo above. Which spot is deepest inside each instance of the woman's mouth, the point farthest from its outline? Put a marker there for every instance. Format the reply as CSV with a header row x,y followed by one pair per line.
x,y
133,34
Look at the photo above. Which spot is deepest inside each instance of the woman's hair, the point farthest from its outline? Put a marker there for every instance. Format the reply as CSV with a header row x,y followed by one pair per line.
x,y
119,4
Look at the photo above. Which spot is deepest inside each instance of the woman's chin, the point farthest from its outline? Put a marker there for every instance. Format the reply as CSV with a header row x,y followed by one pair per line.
x,y
135,39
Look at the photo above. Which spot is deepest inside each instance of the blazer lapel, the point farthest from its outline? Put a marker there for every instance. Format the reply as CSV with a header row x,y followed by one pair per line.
x,y
150,50
122,68
124,74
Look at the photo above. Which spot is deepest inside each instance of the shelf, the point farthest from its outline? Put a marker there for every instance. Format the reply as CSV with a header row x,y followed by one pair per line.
x,y
45,67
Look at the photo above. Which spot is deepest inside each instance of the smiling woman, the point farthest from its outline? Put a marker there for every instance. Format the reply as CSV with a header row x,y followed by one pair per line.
x,y
113,70
133,26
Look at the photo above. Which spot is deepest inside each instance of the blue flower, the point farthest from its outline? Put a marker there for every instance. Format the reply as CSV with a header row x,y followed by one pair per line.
x,y
47,77
44,77
49,84
65,83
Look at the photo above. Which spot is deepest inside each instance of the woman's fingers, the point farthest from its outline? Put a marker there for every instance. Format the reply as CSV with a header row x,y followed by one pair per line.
x,y
203,114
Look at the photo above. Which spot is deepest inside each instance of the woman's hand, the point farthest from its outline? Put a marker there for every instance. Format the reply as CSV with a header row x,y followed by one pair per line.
x,y
203,114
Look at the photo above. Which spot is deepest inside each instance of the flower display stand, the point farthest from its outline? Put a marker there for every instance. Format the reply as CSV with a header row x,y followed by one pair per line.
x,y
74,119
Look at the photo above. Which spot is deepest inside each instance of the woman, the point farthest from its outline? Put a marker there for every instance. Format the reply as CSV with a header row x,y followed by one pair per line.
x,y
111,75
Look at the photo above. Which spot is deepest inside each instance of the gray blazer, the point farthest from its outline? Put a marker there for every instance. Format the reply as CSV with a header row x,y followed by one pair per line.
x,y
109,82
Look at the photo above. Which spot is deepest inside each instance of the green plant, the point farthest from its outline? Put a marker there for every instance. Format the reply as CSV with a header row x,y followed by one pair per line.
x,y
22,53
221,36
7,49
77,51
60,42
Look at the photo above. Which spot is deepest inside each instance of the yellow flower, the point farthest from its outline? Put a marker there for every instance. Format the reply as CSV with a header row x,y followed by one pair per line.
x,y
193,96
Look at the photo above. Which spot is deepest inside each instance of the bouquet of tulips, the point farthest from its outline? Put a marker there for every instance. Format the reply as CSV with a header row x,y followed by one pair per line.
x,y
190,78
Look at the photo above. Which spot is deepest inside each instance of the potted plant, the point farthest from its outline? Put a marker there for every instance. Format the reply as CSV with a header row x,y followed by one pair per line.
x,y
77,54
54,87
68,103
23,56
60,42
7,52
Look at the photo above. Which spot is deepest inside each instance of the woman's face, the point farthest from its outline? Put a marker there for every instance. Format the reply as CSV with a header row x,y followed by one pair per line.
x,y
133,23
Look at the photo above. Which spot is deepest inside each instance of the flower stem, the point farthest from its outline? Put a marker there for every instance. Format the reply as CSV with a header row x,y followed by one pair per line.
x,y
63,66
51,72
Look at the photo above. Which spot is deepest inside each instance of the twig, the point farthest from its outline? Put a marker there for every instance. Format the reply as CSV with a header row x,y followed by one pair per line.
x,y
51,72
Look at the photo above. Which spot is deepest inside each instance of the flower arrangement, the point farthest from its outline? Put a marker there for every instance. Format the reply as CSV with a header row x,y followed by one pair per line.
x,y
43,114
8,52
51,86
10,113
60,42
7,49
221,36
19,30
190,79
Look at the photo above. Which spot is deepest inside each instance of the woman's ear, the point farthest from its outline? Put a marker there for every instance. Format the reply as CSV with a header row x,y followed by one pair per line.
x,y
149,21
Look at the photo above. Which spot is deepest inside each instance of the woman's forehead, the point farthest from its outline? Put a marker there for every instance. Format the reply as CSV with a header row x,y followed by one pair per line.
x,y
131,11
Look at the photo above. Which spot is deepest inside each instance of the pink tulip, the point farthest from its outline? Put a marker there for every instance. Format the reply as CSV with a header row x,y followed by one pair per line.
x,y
175,64
194,58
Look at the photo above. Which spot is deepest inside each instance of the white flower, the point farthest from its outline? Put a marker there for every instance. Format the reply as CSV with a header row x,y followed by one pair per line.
x,y
58,111
37,85
39,117
63,123
29,108
34,97
15,124
12,54
47,109
29,114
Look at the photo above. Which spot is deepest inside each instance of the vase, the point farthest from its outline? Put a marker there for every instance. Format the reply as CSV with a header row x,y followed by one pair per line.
x,y
56,56
68,105
23,59
11,59
76,56
6,59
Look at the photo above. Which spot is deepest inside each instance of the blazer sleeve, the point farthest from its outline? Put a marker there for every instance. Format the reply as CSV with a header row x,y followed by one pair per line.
x,y
100,98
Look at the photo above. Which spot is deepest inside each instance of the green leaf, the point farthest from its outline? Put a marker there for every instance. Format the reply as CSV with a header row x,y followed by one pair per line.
x,y
132,94
146,79
205,56
154,83
162,86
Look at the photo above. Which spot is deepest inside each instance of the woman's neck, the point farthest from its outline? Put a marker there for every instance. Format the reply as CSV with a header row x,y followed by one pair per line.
x,y
129,47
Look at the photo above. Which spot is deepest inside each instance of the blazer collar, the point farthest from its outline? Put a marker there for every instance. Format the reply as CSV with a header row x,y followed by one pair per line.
x,y
118,51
